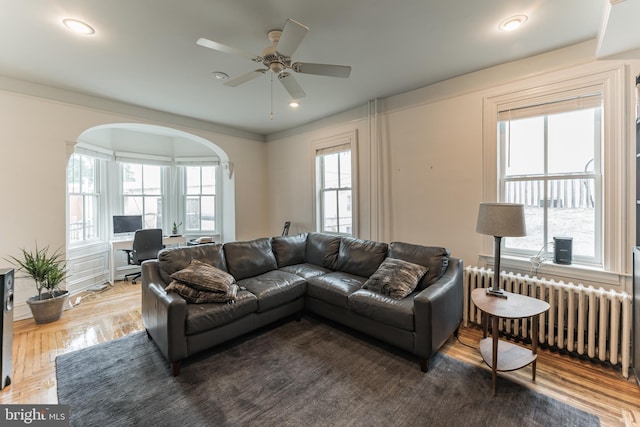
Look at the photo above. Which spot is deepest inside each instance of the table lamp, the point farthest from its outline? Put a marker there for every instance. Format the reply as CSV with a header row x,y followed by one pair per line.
x,y
500,220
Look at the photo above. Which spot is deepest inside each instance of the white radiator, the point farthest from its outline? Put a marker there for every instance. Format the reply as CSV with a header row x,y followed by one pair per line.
x,y
581,319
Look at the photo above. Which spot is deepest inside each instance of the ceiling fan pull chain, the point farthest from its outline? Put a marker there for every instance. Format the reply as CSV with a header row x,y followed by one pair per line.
x,y
271,113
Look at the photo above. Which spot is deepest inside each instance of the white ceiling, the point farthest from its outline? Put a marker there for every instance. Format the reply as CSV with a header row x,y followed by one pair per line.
x,y
144,52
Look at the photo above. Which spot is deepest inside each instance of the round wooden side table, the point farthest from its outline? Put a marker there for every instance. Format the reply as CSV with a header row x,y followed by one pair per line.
x,y
500,355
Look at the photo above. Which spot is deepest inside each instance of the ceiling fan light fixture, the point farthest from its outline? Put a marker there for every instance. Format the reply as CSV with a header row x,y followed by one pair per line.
x,y
512,23
78,26
276,67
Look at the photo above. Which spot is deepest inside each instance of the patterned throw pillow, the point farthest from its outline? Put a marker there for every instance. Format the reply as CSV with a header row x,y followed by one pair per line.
x,y
197,296
395,278
204,277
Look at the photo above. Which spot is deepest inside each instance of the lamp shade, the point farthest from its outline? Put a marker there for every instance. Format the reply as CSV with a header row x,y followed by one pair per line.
x,y
501,220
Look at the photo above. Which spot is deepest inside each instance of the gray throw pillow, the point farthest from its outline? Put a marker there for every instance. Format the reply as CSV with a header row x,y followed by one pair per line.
x,y
198,296
395,278
204,277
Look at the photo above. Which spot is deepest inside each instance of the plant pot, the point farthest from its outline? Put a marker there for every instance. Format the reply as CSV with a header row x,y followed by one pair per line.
x,y
49,308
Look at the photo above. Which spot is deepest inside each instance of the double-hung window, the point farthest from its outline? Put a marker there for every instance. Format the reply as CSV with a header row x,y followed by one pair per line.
x,y
84,198
551,163
335,185
200,198
142,192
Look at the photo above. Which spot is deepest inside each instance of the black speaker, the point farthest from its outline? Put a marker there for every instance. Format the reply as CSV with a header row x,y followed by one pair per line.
x,y
6,326
563,247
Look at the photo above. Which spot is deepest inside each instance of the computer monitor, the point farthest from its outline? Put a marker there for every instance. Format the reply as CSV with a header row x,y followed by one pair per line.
x,y
125,224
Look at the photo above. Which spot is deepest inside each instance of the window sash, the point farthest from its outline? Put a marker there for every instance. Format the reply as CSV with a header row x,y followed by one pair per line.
x,y
556,191
200,206
86,227
334,201
144,200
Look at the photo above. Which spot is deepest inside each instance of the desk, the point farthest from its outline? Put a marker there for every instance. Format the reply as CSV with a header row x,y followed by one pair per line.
x,y
119,245
501,355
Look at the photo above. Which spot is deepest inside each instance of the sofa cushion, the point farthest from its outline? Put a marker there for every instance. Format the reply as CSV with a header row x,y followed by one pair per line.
x,y
171,260
205,277
204,317
360,257
289,250
436,258
199,296
334,287
383,309
306,270
274,288
395,278
322,249
251,258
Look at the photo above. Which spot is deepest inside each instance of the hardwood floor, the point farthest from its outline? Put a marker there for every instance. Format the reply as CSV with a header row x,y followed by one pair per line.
x,y
115,312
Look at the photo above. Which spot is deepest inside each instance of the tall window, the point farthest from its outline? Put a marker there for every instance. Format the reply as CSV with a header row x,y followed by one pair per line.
x,y
334,189
200,198
551,163
82,189
142,192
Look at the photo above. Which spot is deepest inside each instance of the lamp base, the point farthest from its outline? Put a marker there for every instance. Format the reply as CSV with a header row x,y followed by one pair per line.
x,y
498,293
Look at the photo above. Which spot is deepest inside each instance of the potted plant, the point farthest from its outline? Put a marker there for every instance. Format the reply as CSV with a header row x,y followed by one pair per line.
x,y
174,229
48,270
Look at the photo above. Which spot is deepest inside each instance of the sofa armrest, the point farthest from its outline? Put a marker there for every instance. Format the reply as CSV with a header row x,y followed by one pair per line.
x,y
438,310
163,314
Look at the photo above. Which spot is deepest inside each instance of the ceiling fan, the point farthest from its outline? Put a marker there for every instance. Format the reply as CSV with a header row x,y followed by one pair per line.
x,y
277,59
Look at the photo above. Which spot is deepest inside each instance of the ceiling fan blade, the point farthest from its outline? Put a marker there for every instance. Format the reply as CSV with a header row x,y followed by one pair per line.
x,y
291,85
225,49
322,69
245,78
292,34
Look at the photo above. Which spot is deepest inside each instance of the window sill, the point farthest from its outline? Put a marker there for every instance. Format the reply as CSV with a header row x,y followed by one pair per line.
x,y
574,273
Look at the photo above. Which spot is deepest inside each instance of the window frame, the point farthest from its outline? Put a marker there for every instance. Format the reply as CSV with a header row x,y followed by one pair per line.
x,y
610,81
326,146
97,195
164,171
182,171
546,178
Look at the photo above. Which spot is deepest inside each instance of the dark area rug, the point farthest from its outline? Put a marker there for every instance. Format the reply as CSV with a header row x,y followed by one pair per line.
x,y
305,373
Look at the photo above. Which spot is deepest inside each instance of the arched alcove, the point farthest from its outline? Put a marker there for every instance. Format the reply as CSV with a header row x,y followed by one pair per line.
x,y
146,144
162,141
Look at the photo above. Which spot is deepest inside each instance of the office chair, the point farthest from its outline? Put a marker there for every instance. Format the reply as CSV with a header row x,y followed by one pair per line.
x,y
146,245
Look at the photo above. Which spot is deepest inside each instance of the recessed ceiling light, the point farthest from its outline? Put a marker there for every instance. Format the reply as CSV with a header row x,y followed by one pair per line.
x,y
78,26
294,104
219,75
512,22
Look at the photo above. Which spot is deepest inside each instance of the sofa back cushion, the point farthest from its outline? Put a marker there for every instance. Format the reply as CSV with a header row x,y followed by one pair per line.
x,y
360,257
436,258
322,249
251,258
289,250
171,260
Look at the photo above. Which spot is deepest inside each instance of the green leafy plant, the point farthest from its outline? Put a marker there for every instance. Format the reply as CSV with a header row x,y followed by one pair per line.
x,y
48,270
174,230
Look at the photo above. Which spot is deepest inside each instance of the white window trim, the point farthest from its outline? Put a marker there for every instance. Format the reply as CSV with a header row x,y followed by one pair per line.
x,y
616,242
164,195
348,138
182,182
100,187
